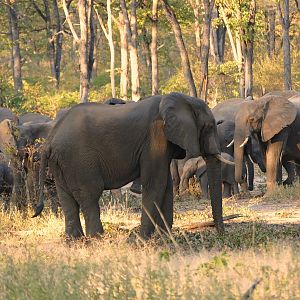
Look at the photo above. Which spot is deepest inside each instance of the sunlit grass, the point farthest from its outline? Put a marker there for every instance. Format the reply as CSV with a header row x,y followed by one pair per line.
x,y
37,263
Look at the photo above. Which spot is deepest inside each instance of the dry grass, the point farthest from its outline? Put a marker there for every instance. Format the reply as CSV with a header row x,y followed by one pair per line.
x,y
37,263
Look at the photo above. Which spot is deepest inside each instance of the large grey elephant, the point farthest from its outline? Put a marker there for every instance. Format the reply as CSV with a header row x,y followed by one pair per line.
x,y
276,122
97,147
20,144
224,114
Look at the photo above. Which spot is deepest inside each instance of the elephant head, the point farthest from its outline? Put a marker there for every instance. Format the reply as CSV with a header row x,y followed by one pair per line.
x,y
189,123
8,144
266,118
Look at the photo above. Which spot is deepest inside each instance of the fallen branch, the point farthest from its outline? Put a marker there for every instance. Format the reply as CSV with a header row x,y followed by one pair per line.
x,y
198,225
250,291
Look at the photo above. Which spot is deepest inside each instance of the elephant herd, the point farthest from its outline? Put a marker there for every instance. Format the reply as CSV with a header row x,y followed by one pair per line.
x,y
159,143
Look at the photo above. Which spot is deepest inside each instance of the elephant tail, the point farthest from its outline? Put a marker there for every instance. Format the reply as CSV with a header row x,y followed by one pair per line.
x,y
42,177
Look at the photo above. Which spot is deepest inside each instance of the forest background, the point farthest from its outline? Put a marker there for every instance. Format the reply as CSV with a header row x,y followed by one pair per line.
x,y
55,53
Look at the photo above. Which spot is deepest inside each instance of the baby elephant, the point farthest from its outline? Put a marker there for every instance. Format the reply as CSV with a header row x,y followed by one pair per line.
x,y
6,183
196,166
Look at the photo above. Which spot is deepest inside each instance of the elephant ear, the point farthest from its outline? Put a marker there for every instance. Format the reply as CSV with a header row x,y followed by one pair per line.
x,y
180,124
279,113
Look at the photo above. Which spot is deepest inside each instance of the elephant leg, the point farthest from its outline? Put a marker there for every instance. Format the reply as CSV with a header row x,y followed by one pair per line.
x,y
175,176
297,168
250,173
117,194
88,199
290,169
153,194
184,181
136,186
204,185
272,162
235,189
226,190
167,206
279,173
70,208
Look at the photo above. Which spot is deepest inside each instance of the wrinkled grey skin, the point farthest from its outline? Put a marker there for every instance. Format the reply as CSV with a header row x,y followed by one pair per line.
x,y
6,183
276,122
33,118
97,147
224,114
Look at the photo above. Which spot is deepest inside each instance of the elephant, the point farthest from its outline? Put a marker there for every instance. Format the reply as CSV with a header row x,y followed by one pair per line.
x,y
6,183
7,114
20,144
276,122
96,147
33,118
114,101
285,94
224,114
197,166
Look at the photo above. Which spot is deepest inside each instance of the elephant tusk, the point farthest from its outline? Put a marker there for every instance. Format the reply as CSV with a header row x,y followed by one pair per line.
x,y
245,142
230,144
250,158
224,160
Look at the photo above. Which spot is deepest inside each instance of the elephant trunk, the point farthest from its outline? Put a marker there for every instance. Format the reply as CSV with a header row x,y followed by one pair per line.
x,y
215,188
239,148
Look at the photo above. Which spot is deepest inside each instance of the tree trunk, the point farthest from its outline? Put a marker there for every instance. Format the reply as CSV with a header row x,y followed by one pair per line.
x,y
124,57
50,44
153,48
59,41
16,54
112,50
96,44
195,4
285,23
147,53
217,40
131,29
83,51
181,46
270,21
91,40
205,38
247,48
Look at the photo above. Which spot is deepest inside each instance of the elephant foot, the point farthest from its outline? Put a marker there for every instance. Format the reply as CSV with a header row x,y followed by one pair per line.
x,y
250,187
288,182
136,187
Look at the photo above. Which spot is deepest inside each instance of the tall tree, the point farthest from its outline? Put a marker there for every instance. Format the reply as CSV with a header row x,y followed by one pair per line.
x,y
153,48
270,16
185,62
109,35
131,29
217,39
247,33
124,57
86,43
284,16
205,46
54,40
15,53
58,42
240,30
